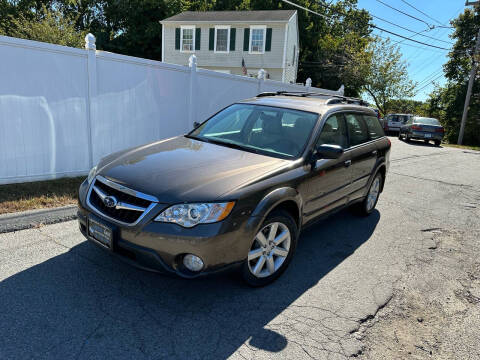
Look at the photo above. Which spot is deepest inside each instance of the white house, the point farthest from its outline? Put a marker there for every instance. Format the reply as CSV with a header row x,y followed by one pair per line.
x,y
235,42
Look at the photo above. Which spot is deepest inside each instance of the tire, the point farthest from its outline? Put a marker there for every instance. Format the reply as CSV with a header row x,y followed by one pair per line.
x,y
399,135
366,207
426,141
437,142
407,138
259,272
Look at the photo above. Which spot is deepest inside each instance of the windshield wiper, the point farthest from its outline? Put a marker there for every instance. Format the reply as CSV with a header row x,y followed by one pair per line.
x,y
224,143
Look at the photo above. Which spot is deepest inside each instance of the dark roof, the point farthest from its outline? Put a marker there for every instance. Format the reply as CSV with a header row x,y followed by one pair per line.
x,y
233,16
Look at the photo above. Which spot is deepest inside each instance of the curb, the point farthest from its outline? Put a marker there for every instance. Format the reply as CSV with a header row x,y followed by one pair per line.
x,y
33,218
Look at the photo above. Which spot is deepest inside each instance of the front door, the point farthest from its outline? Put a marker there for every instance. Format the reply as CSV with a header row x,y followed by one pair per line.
x,y
327,185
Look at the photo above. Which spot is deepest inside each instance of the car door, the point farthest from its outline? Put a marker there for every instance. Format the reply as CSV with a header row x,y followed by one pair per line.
x,y
362,151
328,182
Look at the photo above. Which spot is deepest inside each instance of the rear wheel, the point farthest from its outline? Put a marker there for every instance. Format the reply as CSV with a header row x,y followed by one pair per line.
x,y
437,142
272,249
400,135
368,204
407,138
426,141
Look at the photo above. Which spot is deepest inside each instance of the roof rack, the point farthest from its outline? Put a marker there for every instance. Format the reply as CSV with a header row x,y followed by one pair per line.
x,y
334,99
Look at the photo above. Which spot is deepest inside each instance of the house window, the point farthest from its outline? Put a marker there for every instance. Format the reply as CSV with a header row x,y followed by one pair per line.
x,y
187,38
222,38
257,39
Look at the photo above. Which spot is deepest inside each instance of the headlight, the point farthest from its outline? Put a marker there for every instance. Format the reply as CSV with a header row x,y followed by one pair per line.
x,y
91,174
189,215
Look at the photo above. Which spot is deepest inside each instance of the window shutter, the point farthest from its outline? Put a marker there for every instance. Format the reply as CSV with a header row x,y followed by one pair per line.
x,y
268,42
233,33
246,39
211,40
177,38
198,34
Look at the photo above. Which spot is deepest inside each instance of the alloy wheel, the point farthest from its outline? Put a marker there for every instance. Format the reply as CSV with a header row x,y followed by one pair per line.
x,y
269,249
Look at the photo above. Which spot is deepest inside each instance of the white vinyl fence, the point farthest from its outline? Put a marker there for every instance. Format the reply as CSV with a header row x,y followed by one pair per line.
x,y
62,109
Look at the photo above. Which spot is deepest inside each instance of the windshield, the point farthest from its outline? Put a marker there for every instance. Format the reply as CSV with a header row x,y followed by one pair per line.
x,y
427,121
268,130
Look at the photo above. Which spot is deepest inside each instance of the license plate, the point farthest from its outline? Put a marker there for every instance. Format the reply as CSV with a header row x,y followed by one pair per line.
x,y
100,233
428,135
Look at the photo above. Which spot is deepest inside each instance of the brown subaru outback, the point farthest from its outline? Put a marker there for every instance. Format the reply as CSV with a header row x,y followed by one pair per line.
x,y
239,188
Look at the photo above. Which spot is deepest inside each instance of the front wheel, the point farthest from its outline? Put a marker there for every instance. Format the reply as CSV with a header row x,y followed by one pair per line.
x,y
272,249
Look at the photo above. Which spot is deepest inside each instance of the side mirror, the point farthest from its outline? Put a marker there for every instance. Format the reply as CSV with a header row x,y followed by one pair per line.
x,y
196,124
326,151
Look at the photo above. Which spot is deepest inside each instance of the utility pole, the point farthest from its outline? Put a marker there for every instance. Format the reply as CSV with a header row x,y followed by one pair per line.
x,y
470,82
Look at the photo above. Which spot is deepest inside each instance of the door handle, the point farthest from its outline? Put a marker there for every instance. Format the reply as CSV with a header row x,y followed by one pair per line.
x,y
374,152
348,163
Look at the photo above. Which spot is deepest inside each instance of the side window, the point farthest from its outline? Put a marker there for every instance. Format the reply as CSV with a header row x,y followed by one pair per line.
x,y
333,132
357,131
374,127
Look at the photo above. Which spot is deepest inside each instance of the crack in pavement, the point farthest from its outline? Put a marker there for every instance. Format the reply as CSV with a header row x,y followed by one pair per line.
x,y
433,180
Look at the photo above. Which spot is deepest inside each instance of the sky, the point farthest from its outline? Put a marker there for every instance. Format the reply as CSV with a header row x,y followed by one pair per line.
x,y
424,63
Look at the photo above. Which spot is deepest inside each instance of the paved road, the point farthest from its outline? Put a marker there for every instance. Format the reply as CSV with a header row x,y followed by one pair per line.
x,y
62,298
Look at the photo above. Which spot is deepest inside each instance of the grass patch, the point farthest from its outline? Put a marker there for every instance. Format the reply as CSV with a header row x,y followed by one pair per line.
x,y
38,195
466,147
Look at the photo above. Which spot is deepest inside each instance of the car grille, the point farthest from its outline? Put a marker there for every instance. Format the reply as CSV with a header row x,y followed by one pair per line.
x,y
129,207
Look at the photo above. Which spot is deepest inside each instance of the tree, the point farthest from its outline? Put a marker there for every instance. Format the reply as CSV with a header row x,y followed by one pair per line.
x,y
388,76
408,106
45,25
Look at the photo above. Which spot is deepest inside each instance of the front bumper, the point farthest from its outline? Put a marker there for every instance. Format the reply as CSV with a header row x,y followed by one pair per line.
x,y
160,246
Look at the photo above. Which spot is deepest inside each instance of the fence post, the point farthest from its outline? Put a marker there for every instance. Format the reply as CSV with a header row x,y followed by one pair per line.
x,y
308,84
192,63
261,79
92,89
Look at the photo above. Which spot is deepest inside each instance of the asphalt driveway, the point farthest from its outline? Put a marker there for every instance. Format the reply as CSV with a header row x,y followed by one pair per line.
x,y
61,297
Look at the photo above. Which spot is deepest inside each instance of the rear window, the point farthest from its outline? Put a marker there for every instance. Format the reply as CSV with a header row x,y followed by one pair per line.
x,y
398,118
426,121
374,127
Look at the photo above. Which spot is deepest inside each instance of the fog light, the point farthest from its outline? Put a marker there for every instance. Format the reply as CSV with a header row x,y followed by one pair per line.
x,y
193,262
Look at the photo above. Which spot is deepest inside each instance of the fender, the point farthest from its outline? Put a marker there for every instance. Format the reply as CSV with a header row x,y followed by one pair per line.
x,y
380,163
270,201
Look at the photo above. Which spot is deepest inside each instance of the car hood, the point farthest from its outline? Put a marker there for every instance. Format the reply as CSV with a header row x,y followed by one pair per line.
x,y
183,169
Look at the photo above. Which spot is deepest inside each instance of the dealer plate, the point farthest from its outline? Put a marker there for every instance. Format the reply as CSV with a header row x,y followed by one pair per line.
x,y
100,233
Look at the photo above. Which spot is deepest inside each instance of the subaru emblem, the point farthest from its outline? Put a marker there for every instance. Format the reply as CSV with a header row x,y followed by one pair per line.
x,y
110,201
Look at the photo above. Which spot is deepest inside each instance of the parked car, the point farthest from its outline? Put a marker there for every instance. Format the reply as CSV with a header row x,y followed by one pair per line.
x,y
239,188
422,128
393,122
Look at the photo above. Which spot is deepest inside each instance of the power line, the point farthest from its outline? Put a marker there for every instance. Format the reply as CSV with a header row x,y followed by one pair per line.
x,y
372,25
404,37
407,29
411,45
421,12
429,77
417,33
404,13
307,9
414,17
430,83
